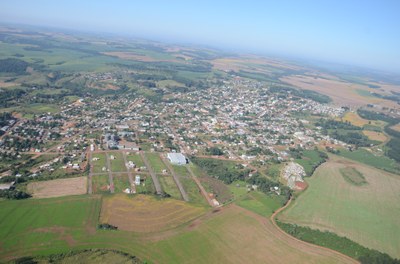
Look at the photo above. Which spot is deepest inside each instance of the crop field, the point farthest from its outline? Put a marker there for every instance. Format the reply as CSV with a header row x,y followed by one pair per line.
x,y
374,135
100,184
169,186
355,119
57,188
155,162
145,213
33,227
396,127
367,214
353,176
118,163
366,157
98,164
136,159
121,182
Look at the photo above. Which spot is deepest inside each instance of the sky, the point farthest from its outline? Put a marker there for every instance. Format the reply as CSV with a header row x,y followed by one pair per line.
x,y
362,33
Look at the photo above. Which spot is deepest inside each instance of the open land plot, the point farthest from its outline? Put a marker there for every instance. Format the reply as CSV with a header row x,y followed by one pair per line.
x,y
396,127
146,185
374,135
98,165
136,159
155,162
42,227
100,184
121,182
341,92
118,163
369,158
169,186
355,119
145,213
367,214
189,185
213,186
57,188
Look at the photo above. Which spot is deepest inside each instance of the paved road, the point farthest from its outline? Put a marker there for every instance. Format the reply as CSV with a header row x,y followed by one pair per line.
x,y
178,183
203,191
157,184
110,177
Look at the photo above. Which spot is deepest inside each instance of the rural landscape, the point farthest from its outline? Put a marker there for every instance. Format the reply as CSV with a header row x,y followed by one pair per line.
x,y
117,149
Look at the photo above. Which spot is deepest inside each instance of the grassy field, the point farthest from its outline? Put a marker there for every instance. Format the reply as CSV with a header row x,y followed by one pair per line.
x,y
155,162
136,159
100,184
169,186
374,135
147,186
233,234
189,185
310,159
117,164
121,182
366,214
366,157
98,164
353,176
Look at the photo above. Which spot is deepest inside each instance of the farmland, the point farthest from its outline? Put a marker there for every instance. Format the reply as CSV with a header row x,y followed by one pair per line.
x,y
57,188
372,208
49,228
145,213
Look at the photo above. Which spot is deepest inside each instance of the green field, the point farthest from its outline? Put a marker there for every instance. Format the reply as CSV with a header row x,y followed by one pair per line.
x,y
59,225
353,176
155,162
148,187
117,164
366,157
99,164
121,182
368,214
136,159
100,184
309,160
169,186
189,185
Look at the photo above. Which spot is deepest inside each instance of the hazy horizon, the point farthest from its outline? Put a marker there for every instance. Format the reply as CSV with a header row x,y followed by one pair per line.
x,y
360,33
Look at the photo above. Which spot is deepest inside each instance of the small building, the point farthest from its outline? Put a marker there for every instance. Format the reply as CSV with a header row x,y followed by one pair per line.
x,y
137,179
177,158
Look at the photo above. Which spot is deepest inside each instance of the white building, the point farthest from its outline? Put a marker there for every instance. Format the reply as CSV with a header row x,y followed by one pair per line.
x,y
177,158
137,179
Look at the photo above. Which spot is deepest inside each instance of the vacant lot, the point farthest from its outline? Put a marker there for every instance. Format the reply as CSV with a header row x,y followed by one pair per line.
x,y
117,162
367,214
57,188
99,164
169,186
136,159
146,214
155,162
100,184
121,182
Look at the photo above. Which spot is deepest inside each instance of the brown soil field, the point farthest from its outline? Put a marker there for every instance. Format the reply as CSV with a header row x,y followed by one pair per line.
x,y
133,56
57,188
341,92
237,64
355,119
7,84
396,127
373,135
143,213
